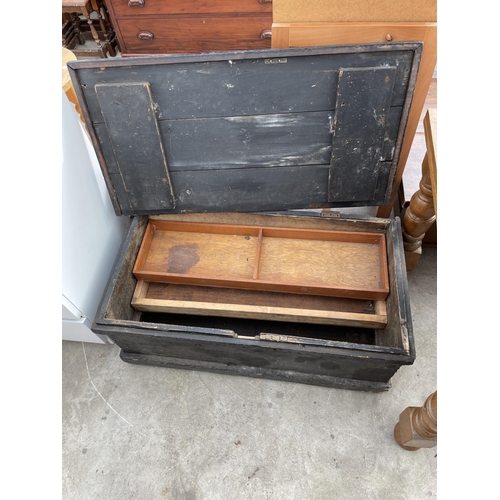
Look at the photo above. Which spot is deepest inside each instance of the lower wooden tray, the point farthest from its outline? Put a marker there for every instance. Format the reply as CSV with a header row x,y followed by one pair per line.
x,y
318,262
253,304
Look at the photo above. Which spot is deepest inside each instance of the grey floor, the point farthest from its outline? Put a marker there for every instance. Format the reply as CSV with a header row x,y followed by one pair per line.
x,y
145,433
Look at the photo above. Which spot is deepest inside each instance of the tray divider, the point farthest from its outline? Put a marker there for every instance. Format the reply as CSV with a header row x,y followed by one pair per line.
x,y
257,255
380,308
384,271
140,292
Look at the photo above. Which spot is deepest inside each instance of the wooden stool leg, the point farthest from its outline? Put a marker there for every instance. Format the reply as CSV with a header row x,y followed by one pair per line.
x,y
418,218
97,9
417,427
111,32
75,18
101,17
95,35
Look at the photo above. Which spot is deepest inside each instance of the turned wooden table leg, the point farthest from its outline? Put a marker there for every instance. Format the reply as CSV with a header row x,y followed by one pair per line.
x,y
422,211
114,44
98,9
417,427
86,12
418,218
75,18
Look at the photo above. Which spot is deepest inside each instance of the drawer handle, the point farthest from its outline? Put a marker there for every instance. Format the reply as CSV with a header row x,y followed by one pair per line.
x,y
266,34
136,3
262,2
145,35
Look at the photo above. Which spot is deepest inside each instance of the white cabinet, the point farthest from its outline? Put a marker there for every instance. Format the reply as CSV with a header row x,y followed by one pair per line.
x,y
91,232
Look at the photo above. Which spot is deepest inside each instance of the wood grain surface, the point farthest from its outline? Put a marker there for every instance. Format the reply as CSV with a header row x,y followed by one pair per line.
x,y
161,7
251,304
287,11
332,263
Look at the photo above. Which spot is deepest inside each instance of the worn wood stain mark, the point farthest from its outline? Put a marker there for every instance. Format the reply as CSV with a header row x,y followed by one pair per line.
x,y
181,258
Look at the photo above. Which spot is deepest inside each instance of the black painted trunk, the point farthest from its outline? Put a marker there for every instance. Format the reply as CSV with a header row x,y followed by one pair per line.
x,y
211,136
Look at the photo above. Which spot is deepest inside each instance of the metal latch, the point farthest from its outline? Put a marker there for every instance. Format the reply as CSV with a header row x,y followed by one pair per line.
x,y
273,337
330,214
276,60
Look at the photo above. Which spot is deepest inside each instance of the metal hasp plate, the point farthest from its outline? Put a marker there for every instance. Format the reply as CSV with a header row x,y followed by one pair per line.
x,y
249,131
278,60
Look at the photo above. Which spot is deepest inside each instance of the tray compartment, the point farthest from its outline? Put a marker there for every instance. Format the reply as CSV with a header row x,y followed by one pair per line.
x,y
318,262
254,304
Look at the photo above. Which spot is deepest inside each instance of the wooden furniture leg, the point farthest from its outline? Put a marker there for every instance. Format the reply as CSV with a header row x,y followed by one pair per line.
x,y
421,213
99,27
418,218
68,35
86,12
417,427
114,46
76,23
97,7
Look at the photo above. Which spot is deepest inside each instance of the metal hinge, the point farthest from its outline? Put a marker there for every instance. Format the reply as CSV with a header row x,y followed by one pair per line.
x,y
273,337
276,60
330,214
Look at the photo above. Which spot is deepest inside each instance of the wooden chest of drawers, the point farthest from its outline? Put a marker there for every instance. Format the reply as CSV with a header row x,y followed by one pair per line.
x,y
150,27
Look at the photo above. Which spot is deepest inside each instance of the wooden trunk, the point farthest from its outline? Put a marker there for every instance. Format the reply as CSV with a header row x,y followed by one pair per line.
x,y
227,158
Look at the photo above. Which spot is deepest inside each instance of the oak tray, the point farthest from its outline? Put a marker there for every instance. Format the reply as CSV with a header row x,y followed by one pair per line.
x,y
257,304
317,262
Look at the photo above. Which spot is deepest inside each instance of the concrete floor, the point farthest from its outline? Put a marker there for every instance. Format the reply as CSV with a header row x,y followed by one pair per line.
x,y
146,433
